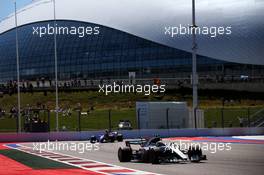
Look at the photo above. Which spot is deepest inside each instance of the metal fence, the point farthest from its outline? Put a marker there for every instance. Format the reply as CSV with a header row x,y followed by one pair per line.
x,y
100,119
232,117
69,120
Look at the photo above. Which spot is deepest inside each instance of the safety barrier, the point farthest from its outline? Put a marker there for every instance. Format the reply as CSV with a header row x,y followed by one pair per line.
x,y
85,135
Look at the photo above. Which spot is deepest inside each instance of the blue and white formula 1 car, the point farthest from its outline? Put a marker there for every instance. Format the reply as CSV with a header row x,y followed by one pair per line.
x,y
155,151
107,137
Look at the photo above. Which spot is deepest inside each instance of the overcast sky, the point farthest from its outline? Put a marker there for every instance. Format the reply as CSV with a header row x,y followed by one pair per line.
x,y
7,6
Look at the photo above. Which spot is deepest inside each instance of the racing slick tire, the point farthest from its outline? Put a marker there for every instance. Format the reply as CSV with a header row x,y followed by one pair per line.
x,y
124,154
154,156
93,139
112,139
195,154
145,156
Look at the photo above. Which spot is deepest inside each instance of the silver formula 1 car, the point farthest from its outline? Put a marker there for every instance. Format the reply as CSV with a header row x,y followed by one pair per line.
x,y
155,151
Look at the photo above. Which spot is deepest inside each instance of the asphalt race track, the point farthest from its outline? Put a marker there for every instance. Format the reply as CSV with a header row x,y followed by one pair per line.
x,y
242,159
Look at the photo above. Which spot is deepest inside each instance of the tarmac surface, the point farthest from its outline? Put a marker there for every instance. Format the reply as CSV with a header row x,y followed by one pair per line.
x,y
242,159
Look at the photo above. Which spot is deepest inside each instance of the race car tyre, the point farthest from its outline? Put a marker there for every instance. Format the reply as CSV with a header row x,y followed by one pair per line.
x,y
145,156
93,139
125,154
112,139
194,154
154,156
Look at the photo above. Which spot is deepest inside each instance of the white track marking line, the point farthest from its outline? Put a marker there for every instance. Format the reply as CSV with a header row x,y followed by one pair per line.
x,y
65,162
106,168
80,162
249,137
90,164
80,166
83,164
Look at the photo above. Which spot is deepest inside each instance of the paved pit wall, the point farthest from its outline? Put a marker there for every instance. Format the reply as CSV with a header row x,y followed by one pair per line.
x,y
85,135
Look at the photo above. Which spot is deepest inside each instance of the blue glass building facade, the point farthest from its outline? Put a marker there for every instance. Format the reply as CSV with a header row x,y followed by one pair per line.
x,y
110,54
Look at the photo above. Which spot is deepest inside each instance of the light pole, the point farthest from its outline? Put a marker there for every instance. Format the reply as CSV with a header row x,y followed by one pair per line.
x,y
56,67
18,74
138,112
109,120
194,65
167,118
138,120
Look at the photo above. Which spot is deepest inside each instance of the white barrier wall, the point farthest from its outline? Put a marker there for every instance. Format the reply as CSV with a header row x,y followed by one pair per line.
x,y
157,115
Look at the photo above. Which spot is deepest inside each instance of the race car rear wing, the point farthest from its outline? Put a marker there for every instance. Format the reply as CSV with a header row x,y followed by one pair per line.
x,y
135,142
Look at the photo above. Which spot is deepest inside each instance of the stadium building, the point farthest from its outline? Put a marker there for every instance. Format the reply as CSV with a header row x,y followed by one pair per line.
x,y
108,39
